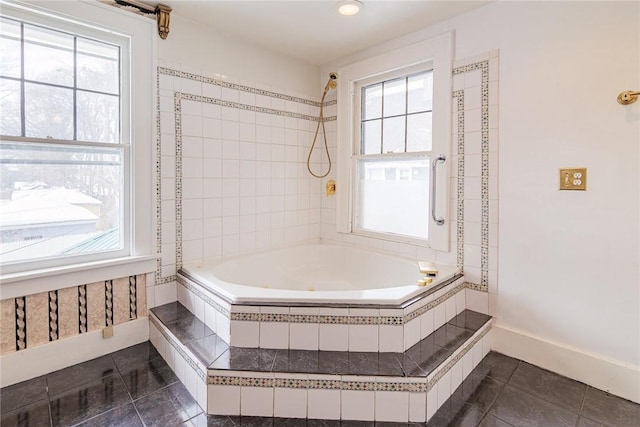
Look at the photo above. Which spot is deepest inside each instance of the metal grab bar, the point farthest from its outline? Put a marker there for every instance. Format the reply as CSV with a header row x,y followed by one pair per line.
x,y
440,158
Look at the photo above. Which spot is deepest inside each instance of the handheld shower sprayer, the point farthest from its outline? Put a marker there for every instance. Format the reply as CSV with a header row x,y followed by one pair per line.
x,y
331,84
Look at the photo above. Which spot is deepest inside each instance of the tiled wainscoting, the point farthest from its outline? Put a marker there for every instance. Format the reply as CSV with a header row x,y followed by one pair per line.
x,y
34,320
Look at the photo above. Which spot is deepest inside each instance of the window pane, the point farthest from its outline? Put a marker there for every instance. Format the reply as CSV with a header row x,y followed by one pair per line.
x,y
48,56
9,48
419,132
10,107
48,111
420,96
395,98
62,200
97,66
372,102
97,117
371,137
393,135
394,196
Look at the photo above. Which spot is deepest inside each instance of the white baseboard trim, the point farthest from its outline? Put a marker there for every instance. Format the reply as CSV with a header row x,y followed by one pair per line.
x,y
595,370
36,361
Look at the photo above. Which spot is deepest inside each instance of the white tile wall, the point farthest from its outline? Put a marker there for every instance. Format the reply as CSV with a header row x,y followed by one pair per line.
x,y
233,161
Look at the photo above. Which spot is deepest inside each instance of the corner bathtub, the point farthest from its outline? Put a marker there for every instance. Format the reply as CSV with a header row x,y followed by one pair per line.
x,y
315,274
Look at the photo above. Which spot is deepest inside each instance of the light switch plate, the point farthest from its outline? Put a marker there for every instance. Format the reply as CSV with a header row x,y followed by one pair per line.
x,y
573,179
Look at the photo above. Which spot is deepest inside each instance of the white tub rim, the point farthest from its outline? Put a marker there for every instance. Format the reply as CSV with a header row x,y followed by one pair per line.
x,y
392,297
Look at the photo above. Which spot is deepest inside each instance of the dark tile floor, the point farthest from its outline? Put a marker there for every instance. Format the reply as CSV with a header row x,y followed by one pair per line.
x,y
135,387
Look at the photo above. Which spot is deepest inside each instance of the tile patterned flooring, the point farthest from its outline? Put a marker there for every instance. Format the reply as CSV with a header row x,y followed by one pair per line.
x,y
135,387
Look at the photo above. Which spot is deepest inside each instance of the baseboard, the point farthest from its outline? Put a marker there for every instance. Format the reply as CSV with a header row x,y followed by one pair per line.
x,y
595,370
36,361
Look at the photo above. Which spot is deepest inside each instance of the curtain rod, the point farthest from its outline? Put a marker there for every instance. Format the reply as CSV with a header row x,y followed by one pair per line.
x,y
162,13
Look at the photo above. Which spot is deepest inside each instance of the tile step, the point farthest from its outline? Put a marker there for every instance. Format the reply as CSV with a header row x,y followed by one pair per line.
x,y
394,387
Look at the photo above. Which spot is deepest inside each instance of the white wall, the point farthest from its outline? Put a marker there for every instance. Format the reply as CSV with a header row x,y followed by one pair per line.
x,y
192,44
568,261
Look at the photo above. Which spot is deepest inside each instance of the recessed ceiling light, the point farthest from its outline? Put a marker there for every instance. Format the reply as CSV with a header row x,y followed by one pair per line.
x,y
349,7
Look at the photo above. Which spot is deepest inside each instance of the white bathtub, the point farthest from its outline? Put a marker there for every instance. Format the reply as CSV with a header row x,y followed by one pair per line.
x,y
316,274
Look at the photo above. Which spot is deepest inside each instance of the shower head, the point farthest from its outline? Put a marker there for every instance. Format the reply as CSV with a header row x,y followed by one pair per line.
x,y
333,76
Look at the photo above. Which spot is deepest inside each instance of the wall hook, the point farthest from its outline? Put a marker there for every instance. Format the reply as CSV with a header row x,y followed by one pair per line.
x,y
628,97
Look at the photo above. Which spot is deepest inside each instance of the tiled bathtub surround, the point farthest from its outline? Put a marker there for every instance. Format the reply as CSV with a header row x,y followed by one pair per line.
x,y
394,387
357,328
231,172
33,320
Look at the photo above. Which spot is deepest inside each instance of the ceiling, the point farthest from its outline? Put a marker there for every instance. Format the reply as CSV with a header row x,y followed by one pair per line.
x,y
312,30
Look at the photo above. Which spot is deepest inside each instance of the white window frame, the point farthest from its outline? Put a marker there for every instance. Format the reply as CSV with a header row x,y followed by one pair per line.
x,y
435,53
137,103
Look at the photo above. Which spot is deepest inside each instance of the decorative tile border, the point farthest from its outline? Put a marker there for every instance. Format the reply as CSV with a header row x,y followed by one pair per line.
x,y
21,323
242,88
82,309
53,315
133,297
483,66
176,345
108,302
459,94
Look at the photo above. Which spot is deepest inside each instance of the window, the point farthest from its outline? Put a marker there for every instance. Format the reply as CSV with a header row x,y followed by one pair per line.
x,y
394,151
394,119
67,194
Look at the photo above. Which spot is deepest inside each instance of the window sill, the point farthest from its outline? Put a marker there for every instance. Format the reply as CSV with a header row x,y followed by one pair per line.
x,y
396,238
47,279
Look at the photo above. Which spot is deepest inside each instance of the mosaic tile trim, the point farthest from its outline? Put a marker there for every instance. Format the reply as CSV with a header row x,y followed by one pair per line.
x,y
477,287
178,160
242,88
133,297
484,223
158,176
175,344
442,372
321,318
21,323
483,66
108,302
53,315
206,298
325,384
247,107
82,309
459,94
